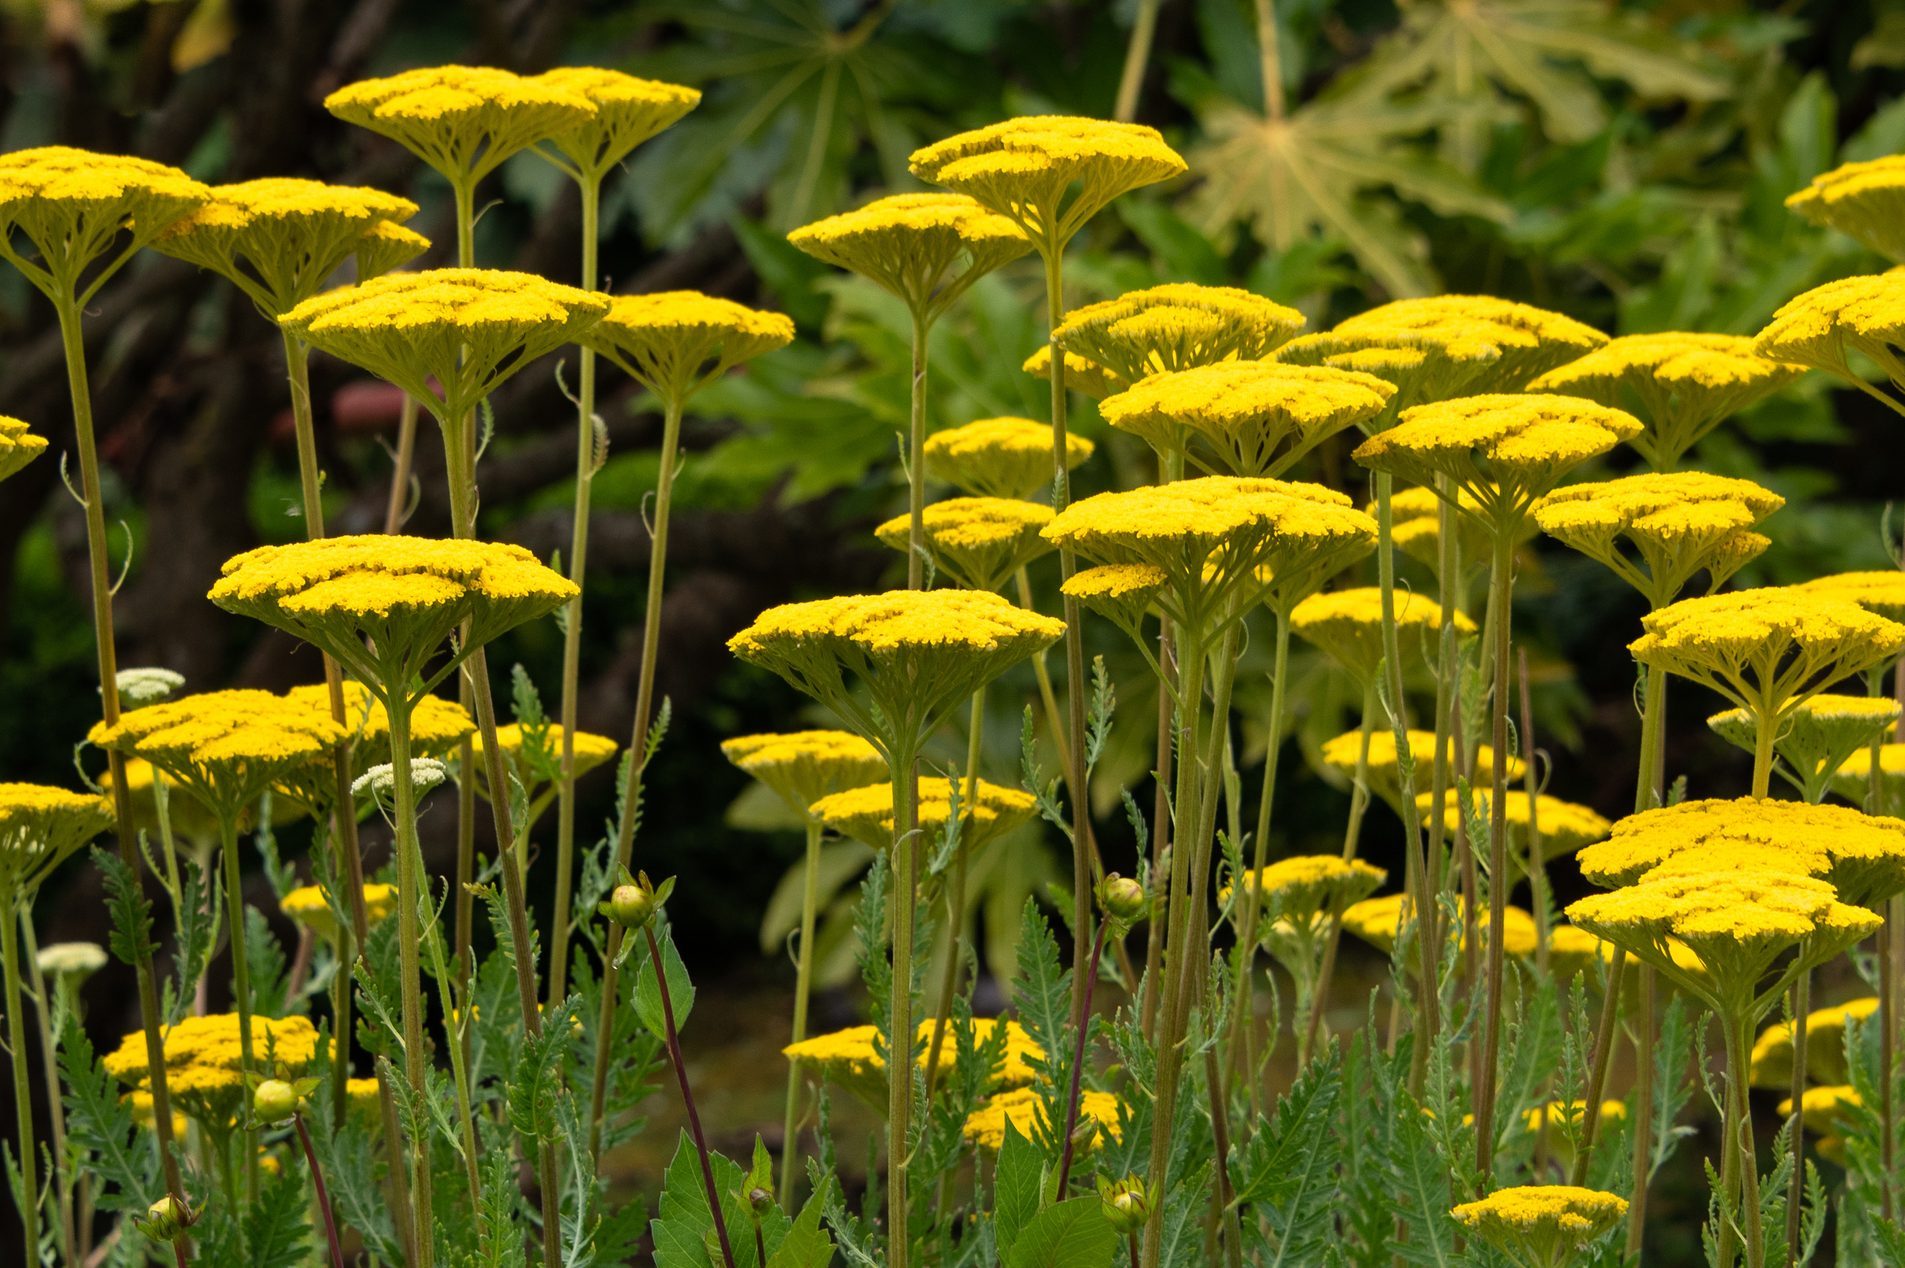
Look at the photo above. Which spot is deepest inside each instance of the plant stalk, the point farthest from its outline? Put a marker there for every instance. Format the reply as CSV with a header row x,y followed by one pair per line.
x,y
323,1194
899,1040
241,981
803,991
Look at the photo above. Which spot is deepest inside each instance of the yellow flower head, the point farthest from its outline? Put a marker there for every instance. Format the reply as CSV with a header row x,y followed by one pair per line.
x,y
1379,921
628,111
1880,591
855,1058
981,542
1862,855
1340,755
1416,526
211,1042
448,337
1246,418
1564,826
674,343
310,906
1542,1224
1223,542
1081,374
866,814
362,1095
801,767
462,120
385,246
918,652
1818,737
1864,200
227,748
1505,451
40,828
1121,593
924,249
438,727
1768,649
1177,326
1681,385
404,595
61,209
1656,531
1772,1058
1853,780
1000,457
1740,923
533,757
1022,1108
1303,892
1048,174
144,1114
1348,625
1826,1110
279,239
1823,327
1446,345
18,446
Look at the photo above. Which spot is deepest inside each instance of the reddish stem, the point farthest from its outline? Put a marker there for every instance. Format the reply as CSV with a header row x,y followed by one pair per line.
x,y
687,1097
1078,1056
323,1194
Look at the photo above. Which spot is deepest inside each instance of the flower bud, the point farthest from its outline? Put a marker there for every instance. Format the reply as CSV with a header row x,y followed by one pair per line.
x,y
166,1220
1122,899
273,1101
1124,1203
760,1199
634,902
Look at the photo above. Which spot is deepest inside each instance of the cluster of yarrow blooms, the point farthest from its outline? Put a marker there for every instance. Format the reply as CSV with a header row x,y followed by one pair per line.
x,y
1142,1059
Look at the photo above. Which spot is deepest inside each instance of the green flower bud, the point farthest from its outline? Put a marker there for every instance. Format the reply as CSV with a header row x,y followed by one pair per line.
x,y
1122,899
273,1101
166,1220
634,902
1124,1203
760,1199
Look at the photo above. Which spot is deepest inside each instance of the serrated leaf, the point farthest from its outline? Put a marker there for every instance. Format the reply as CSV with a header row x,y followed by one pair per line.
x,y
681,990
1069,1234
1016,1187
1290,1169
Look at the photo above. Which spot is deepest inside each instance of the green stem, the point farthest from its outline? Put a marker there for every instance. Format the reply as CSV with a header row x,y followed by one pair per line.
x,y
916,461
400,467
29,1159
956,894
1643,1116
1352,839
803,991
899,1045
591,186
1137,55
1501,579
1749,1162
105,648
455,1020
241,980
1240,1012
63,1163
1765,726
410,899
672,1036
1796,1183
638,742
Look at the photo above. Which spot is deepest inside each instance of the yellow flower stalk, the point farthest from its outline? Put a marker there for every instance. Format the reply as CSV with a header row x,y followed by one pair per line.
x,y
1863,200
627,112
985,814
1825,1035
1025,1112
386,247
70,219
1177,326
1880,591
1823,328
981,542
1825,1110
1245,418
18,446
999,457
1680,384
1818,737
1123,594
1542,1225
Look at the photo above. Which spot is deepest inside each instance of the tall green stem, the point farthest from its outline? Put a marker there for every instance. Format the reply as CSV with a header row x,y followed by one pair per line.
x,y
399,496
410,899
106,650
803,991
1137,55
63,1164
638,742
916,461
591,186
1765,727
459,468
29,1159
1796,1183
956,894
1241,1019
241,980
1352,839
899,1040
1501,578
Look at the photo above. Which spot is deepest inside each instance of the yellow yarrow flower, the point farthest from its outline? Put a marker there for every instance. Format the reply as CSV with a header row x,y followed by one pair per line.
x,y
1565,826
924,249
462,120
532,755
1121,593
855,1058
1880,591
62,209
1656,531
447,337
386,246
1680,384
1826,1110
1823,327
1081,374
281,238
210,1042
18,446
1772,1058
1000,457
40,828
981,542
1767,649
438,726
1048,174
1416,526
1347,624
1505,451
1818,737
628,111
1853,780
674,343
1542,1225
383,606
918,653
310,906
1379,921
1302,894
226,749
1025,1112
1340,755
1863,200
866,814
1176,326
1246,417
801,767
1863,855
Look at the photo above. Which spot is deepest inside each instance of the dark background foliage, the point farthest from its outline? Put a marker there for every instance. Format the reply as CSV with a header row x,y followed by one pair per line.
x,y
1624,163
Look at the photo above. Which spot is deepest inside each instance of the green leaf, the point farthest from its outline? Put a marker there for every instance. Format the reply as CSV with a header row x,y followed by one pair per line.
x,y
1016,1188
1070,1234
131,937
806,1244
276,1231
648,999
1042,993
1290,1169
535,1078
100,1133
